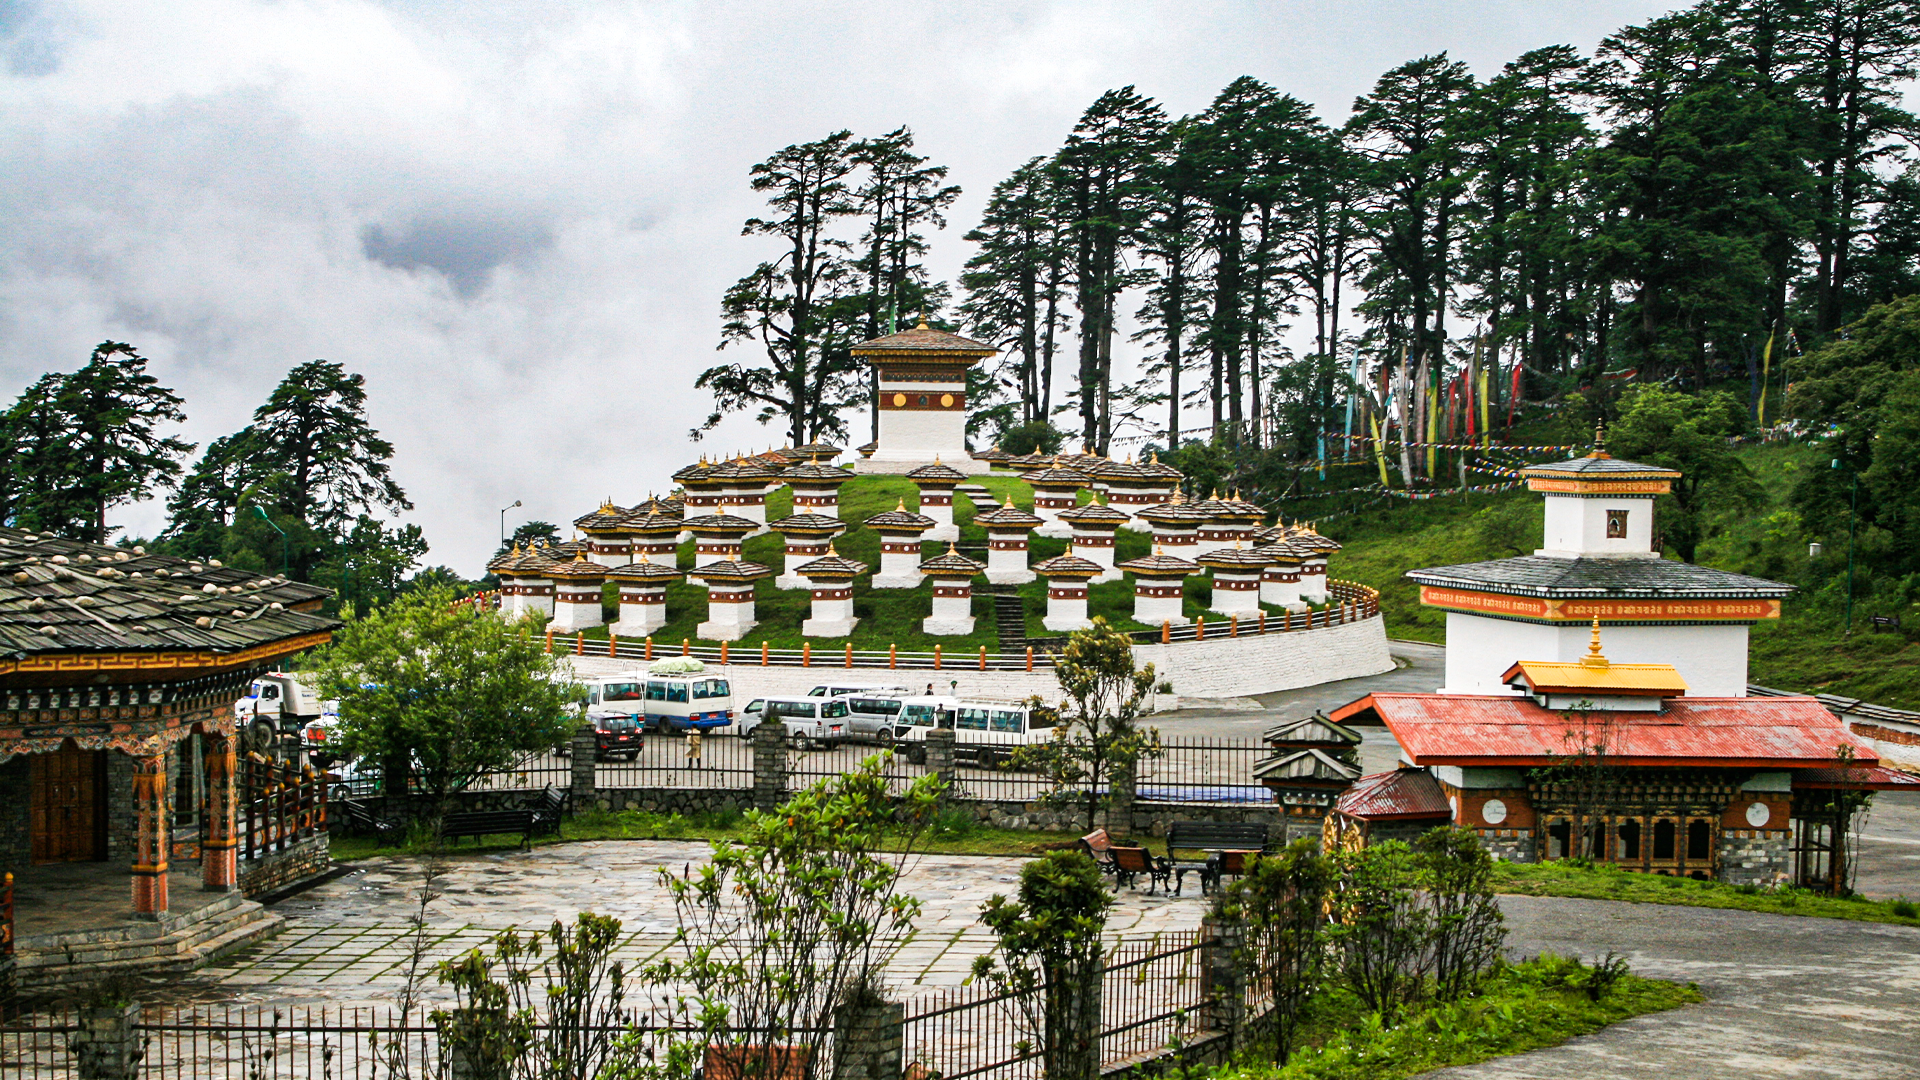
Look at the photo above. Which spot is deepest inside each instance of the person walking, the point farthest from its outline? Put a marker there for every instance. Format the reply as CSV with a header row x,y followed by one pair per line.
x,y
693,750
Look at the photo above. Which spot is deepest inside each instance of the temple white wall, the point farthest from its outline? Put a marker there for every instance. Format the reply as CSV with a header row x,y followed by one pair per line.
x,y
1712,658
1575,525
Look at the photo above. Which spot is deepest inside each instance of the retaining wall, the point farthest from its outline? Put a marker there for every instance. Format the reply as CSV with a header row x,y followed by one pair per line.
x,y
1218,667
302,860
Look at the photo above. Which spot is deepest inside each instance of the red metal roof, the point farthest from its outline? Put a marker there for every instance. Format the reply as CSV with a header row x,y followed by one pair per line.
x,y
1858,777
1403,793
1749,732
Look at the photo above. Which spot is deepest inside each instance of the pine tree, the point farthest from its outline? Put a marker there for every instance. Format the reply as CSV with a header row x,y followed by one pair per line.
x,y
1012,286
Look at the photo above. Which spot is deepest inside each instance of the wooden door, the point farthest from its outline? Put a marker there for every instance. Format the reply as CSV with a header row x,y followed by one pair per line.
x,y
69,790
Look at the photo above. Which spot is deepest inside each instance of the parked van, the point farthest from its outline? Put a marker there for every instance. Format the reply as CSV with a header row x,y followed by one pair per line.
x,y
810,721
880,716
984,732
679,701
843,689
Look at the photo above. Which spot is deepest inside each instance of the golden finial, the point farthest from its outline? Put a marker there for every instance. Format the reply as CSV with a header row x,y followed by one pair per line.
x,y
1158,550
1593,657
936,459
1599,438
923,322
901,506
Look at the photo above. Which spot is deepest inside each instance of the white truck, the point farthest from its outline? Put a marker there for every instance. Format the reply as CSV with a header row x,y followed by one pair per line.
x,y
280,712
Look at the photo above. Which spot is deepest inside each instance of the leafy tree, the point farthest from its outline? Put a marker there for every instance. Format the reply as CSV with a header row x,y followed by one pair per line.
x,y
315,452
1097,738
1381,932
1468,929
793,307
1013,285
1689,433
1034,437
443,693
1050,960
529,533
783,928
1283,899
86,442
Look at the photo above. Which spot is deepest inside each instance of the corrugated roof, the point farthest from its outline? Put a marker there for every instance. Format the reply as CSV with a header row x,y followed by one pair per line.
x,y
1471,729
59,596
1403,793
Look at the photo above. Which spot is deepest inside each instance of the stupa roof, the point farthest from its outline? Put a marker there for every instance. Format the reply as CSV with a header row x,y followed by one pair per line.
x,y
1177,511
1281,552
924,338
741,469
994,453
720,523
1234,558
606,517
1008,516
655,505
831,566
1154,468
644,569
1160,564
810,473
638,522
1108,469
811,451
1058,475
936,472
731,571
1029,462
1093,514
900,519
693,474
1068,566
808,524
577,567
950,563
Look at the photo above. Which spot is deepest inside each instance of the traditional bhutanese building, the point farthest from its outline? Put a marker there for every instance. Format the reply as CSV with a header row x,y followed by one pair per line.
x,y
922,398
117,741
1598,562
1639,749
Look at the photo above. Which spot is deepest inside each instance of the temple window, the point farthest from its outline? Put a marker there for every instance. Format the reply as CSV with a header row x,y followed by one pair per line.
x,y
1699,841
1557,835
1663,837
1616,524
1629,839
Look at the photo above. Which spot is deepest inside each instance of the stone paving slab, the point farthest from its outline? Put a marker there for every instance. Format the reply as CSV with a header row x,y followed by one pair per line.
x,y
348,941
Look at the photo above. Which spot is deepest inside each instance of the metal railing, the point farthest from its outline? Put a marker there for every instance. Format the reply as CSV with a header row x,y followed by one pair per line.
x,y
1190,770
668,760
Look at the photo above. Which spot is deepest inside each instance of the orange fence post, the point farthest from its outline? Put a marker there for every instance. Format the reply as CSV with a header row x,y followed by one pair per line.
x,y
1263,620
549,639
1166,631
1286,620
686,646
849,654
806,654
723,652
983,658
763,654
936,658
649,655
1029,658
1233,626
893,655
613,644
579,642
1200,628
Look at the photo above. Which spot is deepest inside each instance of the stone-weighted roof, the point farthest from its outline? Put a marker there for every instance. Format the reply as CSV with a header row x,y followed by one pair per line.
x,y
1542,575
1068,566
936,473
1007,517
1160,564
60,596
808,524
950,563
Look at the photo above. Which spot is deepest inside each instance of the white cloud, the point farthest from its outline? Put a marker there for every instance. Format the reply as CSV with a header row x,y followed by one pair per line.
x,y
517,220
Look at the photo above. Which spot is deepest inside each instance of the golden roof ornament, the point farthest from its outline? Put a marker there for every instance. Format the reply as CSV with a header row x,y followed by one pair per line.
x,y
1594,659
923,322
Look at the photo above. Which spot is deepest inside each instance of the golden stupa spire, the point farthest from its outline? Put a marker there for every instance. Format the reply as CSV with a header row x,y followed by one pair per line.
x,y
1594,657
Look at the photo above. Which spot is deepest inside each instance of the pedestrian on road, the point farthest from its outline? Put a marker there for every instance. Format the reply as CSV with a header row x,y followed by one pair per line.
x,y
693,750
929,689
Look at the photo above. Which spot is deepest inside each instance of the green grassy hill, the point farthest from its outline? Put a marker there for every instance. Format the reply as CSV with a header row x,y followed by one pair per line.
x,y
892,616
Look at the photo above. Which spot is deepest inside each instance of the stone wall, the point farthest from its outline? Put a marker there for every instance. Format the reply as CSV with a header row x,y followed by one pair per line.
x,y
16,844
1147,818
119,801
1510,845
1220,666
266,873
685,801
1753,856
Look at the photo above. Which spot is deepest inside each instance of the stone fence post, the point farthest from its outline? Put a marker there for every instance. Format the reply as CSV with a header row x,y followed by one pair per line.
x,y
940,757
584,747
868,1041
1225,980
106,1047
769,764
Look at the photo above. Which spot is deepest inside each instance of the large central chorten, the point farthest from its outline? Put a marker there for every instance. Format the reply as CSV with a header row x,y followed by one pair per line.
x,y
922,403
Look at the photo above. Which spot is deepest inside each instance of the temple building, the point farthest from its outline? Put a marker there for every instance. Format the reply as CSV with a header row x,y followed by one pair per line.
x,y
922,399
1640,749
118,747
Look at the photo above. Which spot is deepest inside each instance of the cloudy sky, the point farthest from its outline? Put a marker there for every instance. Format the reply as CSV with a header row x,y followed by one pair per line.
x,y
516,219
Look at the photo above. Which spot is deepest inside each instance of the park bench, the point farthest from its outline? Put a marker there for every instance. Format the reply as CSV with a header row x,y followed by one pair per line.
x,y
362,821
1131,862
1216,838
548,808
477,823
1099,847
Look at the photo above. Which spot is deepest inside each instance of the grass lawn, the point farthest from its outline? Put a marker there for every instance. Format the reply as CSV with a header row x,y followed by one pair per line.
x,y
1609,883
893,616
1527,1006
951,834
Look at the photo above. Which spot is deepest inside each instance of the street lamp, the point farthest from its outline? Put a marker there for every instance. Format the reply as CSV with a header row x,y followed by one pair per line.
x,y
262,511
1853,507
503,522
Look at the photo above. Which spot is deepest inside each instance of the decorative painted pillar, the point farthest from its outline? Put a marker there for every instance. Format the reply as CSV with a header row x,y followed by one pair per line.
x,y
831,579
717,537
1056,489
1159,587
952,575
219,854
1236,579
577,594
1175,525
936,483
654,537
729,598
1094,527
152,835
1007,529
816,488
1067,577
900,532
536,594
643,596
1313,578
808,536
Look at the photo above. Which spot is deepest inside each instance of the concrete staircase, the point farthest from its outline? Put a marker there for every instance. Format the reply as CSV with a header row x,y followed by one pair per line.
x,y
1010,619
983,500
176,941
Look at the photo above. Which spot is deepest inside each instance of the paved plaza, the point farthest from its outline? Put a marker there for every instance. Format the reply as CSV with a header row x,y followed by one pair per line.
x,y
349,942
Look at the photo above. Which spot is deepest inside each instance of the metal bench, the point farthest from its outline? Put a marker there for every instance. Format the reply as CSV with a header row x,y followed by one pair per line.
x,y
1213,837
477,823
548,808
362,821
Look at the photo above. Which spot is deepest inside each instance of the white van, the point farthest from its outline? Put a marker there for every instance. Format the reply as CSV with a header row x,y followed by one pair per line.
x,y
984,732
881,716
810,721
843,689
678,701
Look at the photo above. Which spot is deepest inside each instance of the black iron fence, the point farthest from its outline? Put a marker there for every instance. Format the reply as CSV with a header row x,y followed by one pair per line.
x,y
1190,770
678,760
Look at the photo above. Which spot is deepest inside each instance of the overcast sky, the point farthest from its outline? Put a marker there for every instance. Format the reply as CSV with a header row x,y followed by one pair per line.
x,y
517,219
